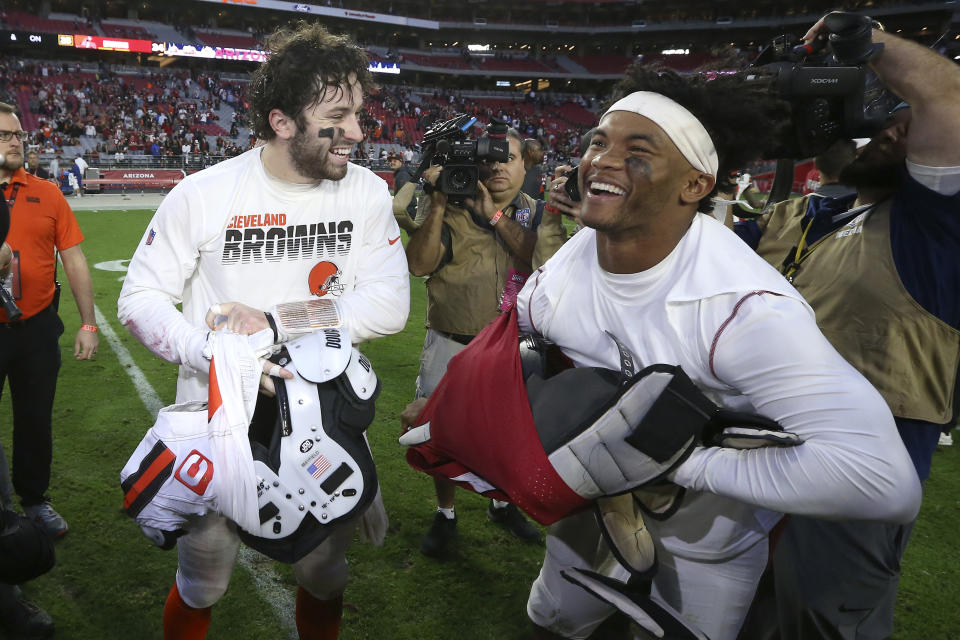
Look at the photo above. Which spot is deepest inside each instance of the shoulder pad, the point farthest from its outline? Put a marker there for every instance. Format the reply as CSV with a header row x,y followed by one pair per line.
x,y
361,376
322,355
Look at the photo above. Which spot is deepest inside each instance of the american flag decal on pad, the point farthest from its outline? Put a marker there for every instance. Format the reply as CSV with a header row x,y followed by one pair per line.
x,y
318,467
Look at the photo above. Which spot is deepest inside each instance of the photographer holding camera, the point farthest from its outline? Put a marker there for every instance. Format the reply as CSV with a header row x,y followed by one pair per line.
x,y
883,276
477,257
42,224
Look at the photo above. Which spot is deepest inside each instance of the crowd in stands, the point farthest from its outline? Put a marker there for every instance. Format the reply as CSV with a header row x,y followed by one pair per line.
x,y
111,113
108,115
163,114
394,116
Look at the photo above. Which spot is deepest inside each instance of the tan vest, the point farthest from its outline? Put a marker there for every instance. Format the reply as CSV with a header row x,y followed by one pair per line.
x,y
463,296
863,309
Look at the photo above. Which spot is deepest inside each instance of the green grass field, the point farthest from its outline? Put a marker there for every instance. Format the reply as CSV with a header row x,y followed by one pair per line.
x,y
111,583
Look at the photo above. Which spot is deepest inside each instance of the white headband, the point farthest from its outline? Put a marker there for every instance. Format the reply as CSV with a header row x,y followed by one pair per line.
x,y
680,125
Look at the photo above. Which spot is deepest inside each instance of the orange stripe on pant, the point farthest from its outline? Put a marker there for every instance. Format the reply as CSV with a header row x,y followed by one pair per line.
x,y
148,476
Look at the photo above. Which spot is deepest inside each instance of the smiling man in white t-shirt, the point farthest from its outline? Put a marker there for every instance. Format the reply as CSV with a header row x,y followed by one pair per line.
x,y
288,236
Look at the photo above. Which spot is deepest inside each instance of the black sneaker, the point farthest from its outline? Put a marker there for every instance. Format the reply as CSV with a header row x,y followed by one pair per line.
x,y
510,518
439,536
20,619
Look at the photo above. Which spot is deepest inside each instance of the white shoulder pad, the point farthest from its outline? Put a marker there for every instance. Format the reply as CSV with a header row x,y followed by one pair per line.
x,y
361,376
321,355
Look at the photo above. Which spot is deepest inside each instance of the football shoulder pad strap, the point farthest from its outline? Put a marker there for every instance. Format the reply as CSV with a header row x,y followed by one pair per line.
x,y
551,446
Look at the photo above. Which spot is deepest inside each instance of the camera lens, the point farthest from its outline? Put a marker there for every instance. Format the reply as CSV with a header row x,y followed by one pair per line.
x,y
460,179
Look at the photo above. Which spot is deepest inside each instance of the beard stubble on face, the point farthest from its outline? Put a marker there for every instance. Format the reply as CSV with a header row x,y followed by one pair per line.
x,y
11,161
863,174
310,157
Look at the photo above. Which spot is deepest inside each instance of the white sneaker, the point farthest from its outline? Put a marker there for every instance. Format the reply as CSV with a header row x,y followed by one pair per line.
x,y
945,440
49,520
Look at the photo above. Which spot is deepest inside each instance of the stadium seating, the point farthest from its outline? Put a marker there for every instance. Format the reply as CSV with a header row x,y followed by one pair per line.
x,y
511,64
232,41
603,63
30,22
441,61
684,63
575,114
126,31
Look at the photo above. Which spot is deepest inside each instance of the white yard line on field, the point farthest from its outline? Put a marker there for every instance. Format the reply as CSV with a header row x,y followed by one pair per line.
x,y
266,579
149,397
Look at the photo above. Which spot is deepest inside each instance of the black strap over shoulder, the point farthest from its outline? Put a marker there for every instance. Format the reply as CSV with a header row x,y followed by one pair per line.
x,y
538,216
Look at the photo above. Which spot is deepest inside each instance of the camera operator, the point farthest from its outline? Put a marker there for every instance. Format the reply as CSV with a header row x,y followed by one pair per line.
x,y
882,275
477,258
41,225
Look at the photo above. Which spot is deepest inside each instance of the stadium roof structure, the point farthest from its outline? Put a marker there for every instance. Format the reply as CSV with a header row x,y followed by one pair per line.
x,y
464,41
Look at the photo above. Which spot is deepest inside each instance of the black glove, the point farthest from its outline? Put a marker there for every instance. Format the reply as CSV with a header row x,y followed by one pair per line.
x,y
851,37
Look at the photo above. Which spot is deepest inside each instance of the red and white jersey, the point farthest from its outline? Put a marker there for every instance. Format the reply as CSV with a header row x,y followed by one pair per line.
x,y
749,341
233,233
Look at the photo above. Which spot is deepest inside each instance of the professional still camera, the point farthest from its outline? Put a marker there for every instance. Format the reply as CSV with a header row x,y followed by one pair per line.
x,y
448,144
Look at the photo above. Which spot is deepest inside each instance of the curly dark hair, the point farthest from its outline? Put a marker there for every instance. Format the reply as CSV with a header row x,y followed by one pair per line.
x,y
743,115
305,62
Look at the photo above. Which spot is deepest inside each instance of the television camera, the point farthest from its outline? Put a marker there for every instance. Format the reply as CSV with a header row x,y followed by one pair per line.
x,y
832,92
447,144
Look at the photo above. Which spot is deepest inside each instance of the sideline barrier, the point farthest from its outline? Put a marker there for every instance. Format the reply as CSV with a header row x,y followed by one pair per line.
x,y
124,180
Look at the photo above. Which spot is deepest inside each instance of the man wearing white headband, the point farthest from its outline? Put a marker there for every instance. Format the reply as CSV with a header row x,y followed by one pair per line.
x,y
676,287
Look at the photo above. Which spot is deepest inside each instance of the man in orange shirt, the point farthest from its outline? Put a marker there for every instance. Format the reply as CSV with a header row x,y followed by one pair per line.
x,y
41,223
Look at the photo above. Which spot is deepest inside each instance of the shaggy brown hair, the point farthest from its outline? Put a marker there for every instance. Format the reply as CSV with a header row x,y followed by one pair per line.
x,y
304,64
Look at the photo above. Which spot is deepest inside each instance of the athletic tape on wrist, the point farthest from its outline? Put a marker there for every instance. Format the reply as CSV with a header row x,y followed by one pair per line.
x,y
306,316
